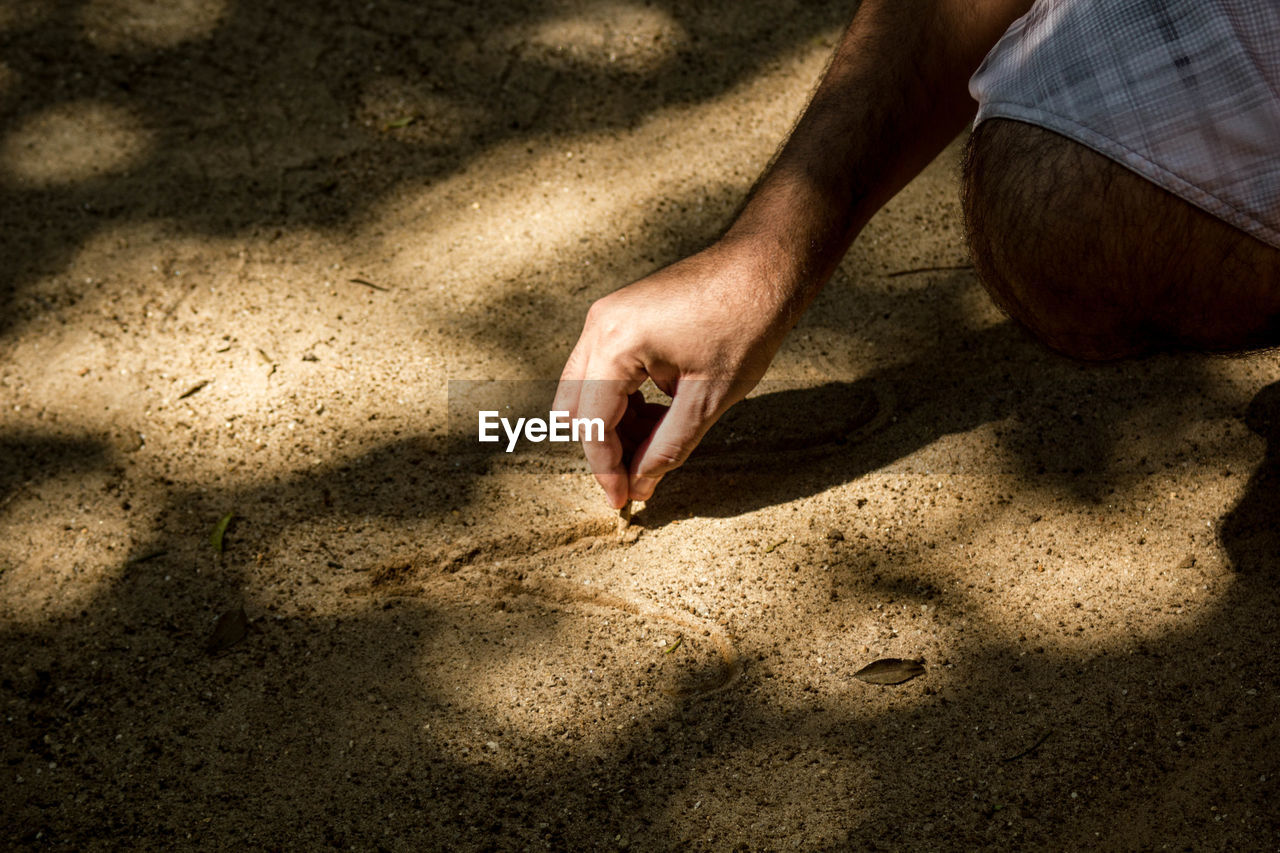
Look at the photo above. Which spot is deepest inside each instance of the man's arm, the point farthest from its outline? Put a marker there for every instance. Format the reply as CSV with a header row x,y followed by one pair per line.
x,y
706,328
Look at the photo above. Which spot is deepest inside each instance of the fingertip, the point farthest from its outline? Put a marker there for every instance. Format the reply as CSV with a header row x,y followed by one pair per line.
x,y
615,488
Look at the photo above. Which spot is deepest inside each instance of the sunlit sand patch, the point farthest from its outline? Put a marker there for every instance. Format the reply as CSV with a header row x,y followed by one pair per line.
x,y
1025,566
626,36
74,142
520,210
517,661
496,228
60,554
141,24
503,230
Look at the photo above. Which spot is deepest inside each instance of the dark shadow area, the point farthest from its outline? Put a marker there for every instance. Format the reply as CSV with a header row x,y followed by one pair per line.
x,y
820,437
30,457
1251,531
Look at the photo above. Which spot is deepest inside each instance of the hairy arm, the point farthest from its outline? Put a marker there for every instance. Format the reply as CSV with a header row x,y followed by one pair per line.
x,y
706,328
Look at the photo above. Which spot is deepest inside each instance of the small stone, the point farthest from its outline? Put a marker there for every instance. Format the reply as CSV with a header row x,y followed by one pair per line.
x,y
835,535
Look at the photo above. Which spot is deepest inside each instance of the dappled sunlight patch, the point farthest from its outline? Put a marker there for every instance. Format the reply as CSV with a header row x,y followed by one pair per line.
x,y
74,142
1076,580
530,669
531,230
512,258
624,36
143,24
945,542
64,546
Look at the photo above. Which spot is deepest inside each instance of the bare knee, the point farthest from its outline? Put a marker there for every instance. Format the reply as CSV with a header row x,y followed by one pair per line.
x,y
1098,262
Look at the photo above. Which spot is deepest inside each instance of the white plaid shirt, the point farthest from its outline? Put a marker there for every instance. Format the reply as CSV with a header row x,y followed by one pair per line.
x,y
1184,92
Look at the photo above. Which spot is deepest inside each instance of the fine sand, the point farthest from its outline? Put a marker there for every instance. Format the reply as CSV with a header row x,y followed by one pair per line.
x,y
441,650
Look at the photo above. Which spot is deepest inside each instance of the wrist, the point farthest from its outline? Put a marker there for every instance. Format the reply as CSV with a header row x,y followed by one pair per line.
x,y
762,283
796,231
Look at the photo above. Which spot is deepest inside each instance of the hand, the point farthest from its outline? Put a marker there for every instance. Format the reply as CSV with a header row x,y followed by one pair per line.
x,y
704,330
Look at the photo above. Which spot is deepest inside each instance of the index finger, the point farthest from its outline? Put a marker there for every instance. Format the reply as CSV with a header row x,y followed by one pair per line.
x,y
605,401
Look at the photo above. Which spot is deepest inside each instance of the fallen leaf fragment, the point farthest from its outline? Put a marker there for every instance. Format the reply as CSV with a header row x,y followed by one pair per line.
x,y
231,628
890,671
147,557
219,531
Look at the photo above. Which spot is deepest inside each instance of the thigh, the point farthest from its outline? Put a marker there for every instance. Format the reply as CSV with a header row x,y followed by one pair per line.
x,y
1101,263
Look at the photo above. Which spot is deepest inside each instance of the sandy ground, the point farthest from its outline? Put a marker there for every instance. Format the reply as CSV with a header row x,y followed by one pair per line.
x,y
445,651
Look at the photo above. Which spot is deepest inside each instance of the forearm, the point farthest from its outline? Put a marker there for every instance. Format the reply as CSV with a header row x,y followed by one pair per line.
x,y
895,93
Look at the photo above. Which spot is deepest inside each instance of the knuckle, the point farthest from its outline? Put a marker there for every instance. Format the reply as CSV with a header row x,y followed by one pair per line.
x,y
597,312
662,460
605,321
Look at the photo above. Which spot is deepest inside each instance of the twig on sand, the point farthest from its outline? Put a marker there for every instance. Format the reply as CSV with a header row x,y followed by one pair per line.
x,y
193,389
914,270
369,284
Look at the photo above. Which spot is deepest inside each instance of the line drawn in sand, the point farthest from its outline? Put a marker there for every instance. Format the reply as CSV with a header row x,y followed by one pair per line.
x,y
518,561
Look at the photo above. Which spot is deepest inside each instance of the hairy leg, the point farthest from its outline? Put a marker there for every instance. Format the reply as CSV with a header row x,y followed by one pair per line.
x,y
1100,263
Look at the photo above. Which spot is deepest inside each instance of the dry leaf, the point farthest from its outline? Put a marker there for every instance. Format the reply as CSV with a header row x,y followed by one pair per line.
x,y
890,671
231,628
